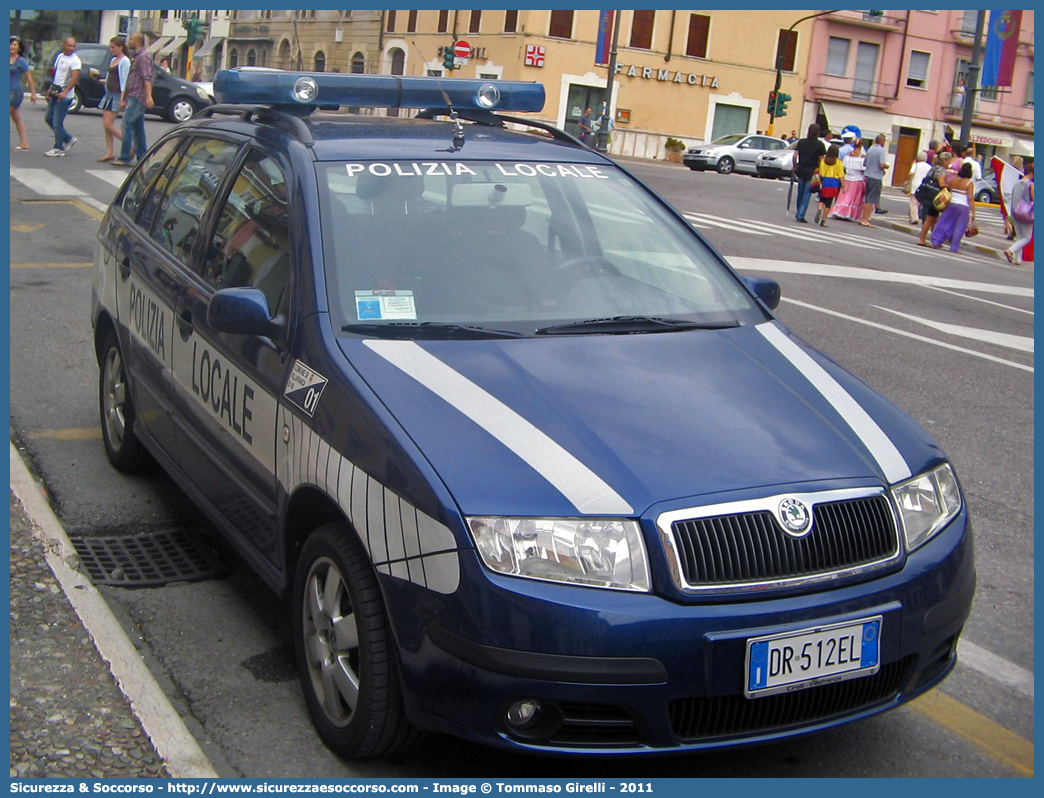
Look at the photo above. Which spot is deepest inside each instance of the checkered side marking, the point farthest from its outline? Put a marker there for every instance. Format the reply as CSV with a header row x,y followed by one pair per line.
x,y
401,540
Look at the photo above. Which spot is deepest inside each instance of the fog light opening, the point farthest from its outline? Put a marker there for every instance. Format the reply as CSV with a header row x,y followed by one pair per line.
x,y
524,714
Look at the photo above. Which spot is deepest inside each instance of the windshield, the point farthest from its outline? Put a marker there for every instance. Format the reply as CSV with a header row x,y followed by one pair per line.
x,y
735,137
520,247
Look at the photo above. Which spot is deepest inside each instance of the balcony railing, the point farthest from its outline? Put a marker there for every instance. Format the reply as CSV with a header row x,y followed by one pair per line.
x,y
864,20
836,87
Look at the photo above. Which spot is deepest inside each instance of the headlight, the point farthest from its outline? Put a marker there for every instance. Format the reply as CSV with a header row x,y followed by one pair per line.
x,y
926,504
598,552
201,93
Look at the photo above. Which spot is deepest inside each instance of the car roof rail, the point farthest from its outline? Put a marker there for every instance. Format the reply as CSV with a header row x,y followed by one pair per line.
x,y
497,120
263,113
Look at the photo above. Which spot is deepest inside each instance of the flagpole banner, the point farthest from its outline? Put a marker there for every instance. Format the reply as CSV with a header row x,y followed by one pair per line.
x,y
1002,44
605,37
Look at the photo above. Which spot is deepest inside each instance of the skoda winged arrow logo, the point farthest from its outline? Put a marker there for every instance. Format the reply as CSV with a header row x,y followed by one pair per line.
x,y
795,517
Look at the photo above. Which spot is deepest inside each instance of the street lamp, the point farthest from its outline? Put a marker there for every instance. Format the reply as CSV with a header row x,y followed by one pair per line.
x,y
602,139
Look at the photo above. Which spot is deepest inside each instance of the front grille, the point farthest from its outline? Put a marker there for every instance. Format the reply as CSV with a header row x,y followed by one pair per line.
x,y
592,725
752,547
701,719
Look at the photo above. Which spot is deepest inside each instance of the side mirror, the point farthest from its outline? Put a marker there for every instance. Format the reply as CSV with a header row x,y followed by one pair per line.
x,y
765,289
242,311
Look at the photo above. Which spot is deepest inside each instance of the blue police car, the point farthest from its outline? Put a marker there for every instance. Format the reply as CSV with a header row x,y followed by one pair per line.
x,y
531,464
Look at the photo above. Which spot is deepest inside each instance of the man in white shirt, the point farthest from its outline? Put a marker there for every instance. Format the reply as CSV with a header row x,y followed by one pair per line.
x,y
60,96
969,157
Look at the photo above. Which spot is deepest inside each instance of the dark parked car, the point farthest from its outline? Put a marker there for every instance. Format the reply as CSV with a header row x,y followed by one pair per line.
x,y
176,99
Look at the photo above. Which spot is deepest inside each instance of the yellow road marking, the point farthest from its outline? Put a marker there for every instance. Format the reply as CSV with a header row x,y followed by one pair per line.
x,y
28,227
94,213
73,434
51,265
991,738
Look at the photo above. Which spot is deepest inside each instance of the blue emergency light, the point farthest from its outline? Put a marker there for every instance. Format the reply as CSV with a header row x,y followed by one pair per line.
x,y
303,89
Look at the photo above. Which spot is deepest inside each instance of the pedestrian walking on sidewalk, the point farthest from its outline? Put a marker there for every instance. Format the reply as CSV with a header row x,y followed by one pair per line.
x,y
1023,230
137,98
875,172
918,172
807,155
938,174
60,96
20,70
958,213
831,173
115,85
849,203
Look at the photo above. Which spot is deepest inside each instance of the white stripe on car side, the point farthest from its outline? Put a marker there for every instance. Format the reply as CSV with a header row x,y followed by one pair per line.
x,y
401,540
873,437
579,484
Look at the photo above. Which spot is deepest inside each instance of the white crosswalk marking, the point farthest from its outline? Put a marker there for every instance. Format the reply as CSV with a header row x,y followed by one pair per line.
x,y
42,181
112,176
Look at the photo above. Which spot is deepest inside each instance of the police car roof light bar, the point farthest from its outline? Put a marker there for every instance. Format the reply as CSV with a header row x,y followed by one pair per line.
x,y
311,89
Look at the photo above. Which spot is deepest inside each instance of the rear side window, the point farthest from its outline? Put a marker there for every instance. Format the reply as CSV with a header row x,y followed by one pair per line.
x,y
188,193
251,243
134,193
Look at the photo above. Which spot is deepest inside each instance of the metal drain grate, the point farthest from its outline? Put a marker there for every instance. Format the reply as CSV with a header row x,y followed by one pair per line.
x,y
147,560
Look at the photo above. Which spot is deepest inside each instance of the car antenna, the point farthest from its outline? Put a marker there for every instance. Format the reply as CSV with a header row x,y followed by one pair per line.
x,y
458,131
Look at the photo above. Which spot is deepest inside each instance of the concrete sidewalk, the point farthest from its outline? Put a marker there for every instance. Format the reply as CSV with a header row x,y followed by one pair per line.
x,y
83,704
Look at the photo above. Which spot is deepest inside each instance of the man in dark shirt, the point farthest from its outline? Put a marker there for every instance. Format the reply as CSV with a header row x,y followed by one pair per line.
x,y
806,160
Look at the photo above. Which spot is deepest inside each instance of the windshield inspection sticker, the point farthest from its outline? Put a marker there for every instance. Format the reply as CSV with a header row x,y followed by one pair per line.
x,y
304,387
384,305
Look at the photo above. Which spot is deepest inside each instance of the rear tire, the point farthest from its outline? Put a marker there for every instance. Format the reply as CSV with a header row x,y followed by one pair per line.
x,y
345,654
122,446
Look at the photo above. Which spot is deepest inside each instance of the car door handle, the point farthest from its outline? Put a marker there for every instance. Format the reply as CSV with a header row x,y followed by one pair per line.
x,y
185,324
125,269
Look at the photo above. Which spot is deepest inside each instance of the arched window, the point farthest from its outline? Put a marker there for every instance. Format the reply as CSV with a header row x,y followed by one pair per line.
x,y
233,58
358,64
251,57
320,61
264,58
284,54
398,62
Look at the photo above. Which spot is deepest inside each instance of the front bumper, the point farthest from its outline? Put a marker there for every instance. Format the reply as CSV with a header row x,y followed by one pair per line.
x,y
639,674
773,171
700,162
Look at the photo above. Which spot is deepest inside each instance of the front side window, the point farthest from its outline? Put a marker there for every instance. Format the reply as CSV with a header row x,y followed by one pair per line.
x,y
188,193
134,193
251,243
520,246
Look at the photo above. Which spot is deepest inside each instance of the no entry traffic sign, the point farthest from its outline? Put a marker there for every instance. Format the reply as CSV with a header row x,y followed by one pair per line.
x,y
462,49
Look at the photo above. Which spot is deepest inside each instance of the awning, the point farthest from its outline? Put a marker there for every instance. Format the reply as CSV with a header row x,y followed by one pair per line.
x,y
208,45
171,46
1023,147
870,121
995,138
152,48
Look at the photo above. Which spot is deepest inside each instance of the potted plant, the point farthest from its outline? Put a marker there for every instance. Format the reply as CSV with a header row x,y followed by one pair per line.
x,y
675,148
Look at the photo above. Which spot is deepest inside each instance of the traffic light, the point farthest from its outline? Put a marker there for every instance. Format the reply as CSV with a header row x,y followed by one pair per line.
x,y
781,104
448,61
772,103
194,30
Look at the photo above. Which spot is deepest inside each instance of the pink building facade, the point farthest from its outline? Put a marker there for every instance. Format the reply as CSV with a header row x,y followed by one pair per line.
x,y
903,73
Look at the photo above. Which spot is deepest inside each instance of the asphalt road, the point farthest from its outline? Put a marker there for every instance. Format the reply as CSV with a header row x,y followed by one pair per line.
x,y
948,337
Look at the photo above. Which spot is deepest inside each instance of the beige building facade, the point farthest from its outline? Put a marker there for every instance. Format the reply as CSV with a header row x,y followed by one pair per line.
x,y
689,75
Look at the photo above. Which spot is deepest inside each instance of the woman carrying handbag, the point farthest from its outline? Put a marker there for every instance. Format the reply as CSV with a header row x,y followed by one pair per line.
x,y
938,177
959,211
1021,202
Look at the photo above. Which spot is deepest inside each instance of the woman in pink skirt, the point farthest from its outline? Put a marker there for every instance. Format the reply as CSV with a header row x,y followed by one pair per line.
x,y
849,203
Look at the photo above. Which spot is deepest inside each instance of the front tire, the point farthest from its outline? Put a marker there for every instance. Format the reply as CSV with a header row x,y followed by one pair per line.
x,y
726,166
122,446
181,109
344,648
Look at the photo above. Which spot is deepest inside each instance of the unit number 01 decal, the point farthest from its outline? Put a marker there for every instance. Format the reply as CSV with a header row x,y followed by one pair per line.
x,y
304,387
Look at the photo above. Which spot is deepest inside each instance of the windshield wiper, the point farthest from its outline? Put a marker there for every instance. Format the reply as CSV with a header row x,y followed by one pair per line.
x,y
429,329
620,325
